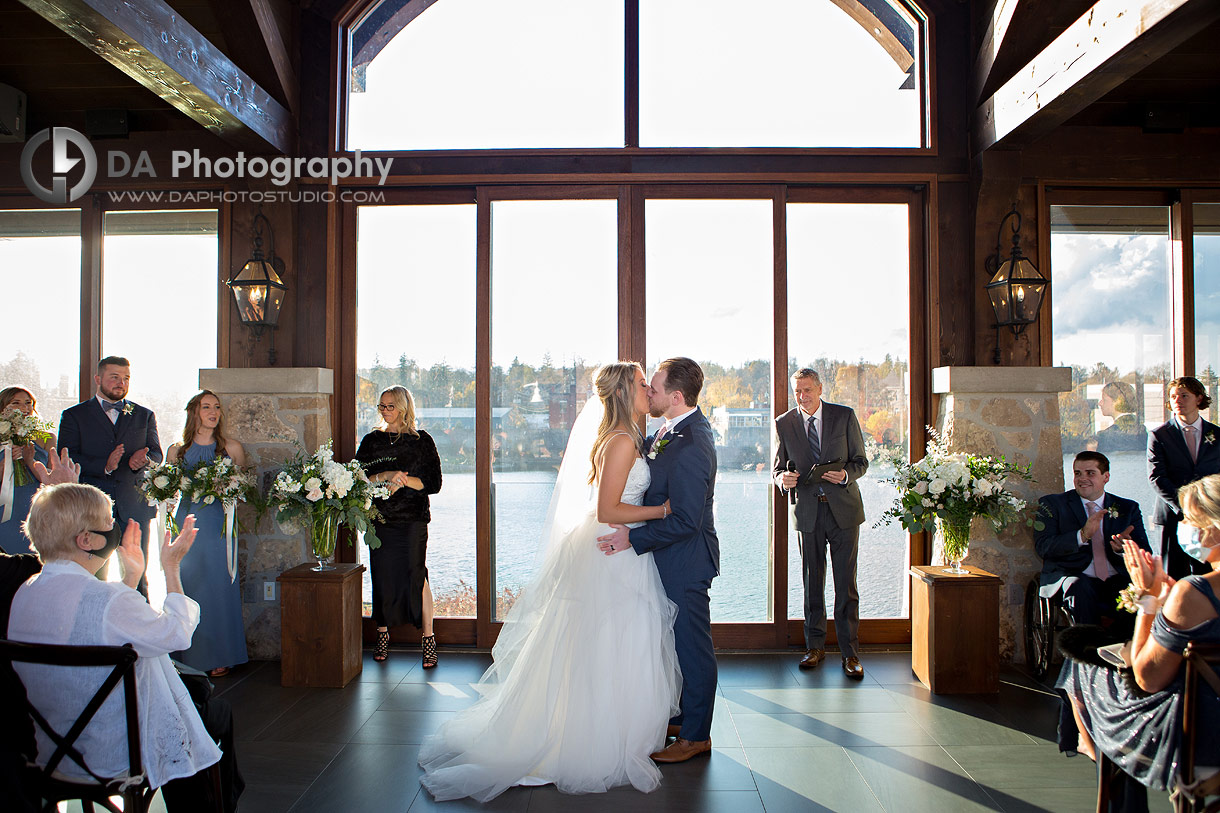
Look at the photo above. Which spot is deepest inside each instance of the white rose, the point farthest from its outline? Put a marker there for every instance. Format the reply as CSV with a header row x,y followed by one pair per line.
x,y
208,500
937,486
186,482
921,487
314,494
927,503
161,481
6,427
312,484
368,503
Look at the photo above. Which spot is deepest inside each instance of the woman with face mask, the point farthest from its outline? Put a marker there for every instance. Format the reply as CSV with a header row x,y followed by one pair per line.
x,y
73,530
1134,715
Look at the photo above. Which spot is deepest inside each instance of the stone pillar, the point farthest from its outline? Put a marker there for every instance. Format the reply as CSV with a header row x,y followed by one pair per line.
x,y
270,410
1010,411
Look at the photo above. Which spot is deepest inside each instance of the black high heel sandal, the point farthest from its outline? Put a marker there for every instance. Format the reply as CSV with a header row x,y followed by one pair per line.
x,y
431,656
381,650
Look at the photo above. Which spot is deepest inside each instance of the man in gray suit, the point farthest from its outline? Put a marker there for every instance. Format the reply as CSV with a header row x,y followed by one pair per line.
x,y
826,510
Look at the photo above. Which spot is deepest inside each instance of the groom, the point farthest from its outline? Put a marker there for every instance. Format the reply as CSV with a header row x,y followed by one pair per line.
x,y
682,461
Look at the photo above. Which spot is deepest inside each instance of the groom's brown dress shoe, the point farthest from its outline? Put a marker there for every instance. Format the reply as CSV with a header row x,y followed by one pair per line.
x,y
812,658
673,731
681,750
853,669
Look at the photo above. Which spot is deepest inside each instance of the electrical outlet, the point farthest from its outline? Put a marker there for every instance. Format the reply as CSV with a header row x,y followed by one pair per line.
x,y
269,591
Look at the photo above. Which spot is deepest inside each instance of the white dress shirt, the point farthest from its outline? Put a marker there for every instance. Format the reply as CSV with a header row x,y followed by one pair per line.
x,y
818,425
113,416
65,604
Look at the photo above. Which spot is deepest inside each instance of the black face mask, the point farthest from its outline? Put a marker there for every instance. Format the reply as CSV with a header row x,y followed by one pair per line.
x,y
114,537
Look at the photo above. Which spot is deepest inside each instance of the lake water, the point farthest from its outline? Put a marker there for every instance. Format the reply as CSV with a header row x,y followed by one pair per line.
x,y
743,512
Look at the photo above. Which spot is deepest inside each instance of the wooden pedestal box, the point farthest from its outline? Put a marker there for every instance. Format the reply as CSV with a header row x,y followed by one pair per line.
x,y
320,626
955,630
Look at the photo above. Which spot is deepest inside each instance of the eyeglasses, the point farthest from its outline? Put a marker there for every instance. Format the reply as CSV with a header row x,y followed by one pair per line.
x,y
385,407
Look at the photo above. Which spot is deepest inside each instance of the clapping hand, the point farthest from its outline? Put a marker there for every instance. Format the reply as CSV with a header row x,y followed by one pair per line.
x,y
62,469
131,557
1147,575
1116,541
112,462
173,552
139,460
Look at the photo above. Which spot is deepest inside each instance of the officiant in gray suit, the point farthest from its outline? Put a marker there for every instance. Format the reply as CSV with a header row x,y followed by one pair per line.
x,y
827,511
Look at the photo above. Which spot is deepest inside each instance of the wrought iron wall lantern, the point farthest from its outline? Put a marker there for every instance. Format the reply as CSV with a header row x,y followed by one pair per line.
x,y
258,288
1016,287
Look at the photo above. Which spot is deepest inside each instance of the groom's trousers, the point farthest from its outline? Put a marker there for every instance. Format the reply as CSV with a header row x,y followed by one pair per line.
x,y
696,658
844,546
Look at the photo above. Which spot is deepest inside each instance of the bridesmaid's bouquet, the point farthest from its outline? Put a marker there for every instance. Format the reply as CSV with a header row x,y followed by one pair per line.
x,y
220,479
19,429
161,484
317,492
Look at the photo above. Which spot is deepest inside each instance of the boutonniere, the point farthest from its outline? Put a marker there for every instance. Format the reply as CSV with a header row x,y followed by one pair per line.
x,y
659,446
1112,512
128,409
1210,437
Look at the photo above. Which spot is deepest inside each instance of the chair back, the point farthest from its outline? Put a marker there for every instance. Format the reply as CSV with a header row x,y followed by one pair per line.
x,y
122,661
1202,661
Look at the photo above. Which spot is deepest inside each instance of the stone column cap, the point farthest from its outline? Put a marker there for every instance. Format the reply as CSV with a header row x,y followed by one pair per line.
x,y
269,380
960,380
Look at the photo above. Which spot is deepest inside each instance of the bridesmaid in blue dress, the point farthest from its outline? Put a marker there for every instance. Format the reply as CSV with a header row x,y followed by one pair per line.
x,y
12,540
220,639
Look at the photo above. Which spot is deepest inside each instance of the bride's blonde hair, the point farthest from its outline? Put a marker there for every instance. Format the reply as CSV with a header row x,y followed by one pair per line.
x,y
615,386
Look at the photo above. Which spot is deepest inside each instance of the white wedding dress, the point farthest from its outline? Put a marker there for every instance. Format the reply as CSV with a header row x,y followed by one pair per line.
x,y
585,677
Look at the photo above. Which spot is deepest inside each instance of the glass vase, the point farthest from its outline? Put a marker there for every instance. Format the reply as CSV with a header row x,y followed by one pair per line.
x,y
955,537
323,534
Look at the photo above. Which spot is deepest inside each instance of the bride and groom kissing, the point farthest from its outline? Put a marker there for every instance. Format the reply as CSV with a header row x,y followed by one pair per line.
x,y
607,653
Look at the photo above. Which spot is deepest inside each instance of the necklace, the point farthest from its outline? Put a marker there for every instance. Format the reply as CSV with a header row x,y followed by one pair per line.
x,y
393,436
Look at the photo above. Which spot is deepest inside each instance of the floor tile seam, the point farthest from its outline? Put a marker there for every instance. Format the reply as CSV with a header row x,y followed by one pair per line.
x,y
863,778
316,777
987,790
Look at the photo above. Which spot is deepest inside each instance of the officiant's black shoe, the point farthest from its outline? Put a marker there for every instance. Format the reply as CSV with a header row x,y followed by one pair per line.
x,y
681,750
853,669
672,731
812,658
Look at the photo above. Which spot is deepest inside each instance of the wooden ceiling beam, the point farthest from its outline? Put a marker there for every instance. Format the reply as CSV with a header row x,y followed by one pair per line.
x,y
1109,44
252,32
151,43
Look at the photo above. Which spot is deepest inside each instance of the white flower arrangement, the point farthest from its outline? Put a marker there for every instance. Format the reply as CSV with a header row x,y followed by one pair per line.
x,y
161,482
953,488
18,429
315,487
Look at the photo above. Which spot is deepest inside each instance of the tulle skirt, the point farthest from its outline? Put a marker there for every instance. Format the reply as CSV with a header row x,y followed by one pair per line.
x,y
583,684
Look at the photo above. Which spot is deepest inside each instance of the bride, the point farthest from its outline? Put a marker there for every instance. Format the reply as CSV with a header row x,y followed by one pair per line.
x,y
584,678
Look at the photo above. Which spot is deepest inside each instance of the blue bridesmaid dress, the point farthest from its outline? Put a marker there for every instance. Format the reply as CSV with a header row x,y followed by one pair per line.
x,y
220,638
12,540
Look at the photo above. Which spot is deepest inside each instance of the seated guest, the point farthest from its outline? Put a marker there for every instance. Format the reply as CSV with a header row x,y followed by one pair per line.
x,y
1135,718
72,528
1081,541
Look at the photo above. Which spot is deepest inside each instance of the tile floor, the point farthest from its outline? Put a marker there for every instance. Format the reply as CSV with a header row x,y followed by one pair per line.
x,y
784,740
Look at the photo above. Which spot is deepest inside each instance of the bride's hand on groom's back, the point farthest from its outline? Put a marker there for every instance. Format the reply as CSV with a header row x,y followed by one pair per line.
x,y
616,542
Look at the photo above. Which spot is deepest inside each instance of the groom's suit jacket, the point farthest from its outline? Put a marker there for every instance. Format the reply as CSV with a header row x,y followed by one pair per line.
x,y
841,440
684,544
89,436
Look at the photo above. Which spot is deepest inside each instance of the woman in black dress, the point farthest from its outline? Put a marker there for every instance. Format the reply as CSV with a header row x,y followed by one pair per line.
x,y
399,454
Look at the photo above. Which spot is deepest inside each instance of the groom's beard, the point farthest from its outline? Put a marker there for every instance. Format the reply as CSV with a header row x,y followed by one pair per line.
x,y
656,412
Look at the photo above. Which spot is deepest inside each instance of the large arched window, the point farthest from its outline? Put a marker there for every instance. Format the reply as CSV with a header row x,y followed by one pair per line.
x,y
485,74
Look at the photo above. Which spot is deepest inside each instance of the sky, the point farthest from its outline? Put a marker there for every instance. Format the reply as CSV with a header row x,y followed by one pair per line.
x,y
709,76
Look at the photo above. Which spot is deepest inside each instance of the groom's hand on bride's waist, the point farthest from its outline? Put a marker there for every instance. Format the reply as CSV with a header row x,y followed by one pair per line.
x,y
616,542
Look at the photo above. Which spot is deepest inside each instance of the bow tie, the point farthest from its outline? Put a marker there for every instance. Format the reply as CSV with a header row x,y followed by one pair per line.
x,y
111,406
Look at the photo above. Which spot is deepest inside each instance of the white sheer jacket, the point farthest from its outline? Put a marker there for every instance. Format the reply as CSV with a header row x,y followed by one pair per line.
x,y
65,604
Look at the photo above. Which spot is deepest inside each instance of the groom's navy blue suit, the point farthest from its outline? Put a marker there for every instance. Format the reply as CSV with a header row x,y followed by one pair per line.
x,y
89,436
687,555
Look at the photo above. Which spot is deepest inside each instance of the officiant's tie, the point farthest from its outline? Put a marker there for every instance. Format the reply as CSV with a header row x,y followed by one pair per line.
x,y
1101,566
815,445
1192,441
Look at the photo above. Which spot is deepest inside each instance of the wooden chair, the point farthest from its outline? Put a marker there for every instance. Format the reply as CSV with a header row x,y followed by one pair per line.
x,y
1192,793
43,781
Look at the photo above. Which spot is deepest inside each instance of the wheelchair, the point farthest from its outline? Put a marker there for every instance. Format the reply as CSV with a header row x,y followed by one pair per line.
x,y
1045,617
